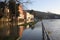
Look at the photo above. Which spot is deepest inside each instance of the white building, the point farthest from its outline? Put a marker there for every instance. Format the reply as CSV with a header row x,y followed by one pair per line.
x,y
29,17
21,15
21,19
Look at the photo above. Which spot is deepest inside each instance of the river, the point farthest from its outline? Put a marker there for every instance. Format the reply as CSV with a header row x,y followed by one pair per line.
x,y
52,27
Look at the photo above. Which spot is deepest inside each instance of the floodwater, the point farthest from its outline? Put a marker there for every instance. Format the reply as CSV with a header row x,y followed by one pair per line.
x,y
52,26
33,33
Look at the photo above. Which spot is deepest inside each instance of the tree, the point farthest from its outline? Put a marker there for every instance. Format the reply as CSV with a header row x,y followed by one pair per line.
x,y
12,5
13,10
2,6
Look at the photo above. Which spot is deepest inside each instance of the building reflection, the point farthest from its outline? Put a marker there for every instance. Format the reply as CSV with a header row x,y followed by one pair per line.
x,y
14,32
12,26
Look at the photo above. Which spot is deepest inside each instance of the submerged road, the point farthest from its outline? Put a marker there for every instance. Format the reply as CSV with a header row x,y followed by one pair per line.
x,y
52,27
33,34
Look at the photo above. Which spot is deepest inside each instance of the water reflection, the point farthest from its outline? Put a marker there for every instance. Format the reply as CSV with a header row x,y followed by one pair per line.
x,y
33,33
11,30
32,28
52,26
8,30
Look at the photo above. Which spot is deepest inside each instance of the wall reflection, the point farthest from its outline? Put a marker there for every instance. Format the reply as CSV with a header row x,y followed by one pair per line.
x,y
11,30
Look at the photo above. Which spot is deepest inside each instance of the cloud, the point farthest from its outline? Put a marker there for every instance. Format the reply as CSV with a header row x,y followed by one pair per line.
x,y
55,11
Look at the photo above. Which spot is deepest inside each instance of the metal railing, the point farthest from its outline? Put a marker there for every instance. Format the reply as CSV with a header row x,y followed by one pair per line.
x,y
45,35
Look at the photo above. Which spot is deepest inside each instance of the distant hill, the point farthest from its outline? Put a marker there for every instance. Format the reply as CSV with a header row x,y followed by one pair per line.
x,y
44,15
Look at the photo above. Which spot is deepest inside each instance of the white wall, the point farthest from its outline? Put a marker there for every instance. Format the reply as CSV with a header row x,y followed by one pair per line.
x,y
30,17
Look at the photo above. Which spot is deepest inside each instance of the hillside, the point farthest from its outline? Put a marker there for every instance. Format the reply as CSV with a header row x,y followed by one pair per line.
x,y
44,15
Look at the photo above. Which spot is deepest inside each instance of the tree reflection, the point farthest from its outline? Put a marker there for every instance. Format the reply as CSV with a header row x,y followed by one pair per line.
x,y
32,27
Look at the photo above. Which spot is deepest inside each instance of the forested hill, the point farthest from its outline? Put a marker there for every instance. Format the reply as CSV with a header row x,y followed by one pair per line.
x,y
44,15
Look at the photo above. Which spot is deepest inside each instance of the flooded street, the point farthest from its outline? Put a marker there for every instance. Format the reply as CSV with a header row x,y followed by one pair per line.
x,y
33,34
52,27
29,20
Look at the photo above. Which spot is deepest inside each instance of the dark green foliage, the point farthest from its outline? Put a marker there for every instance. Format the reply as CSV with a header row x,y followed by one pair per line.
x,y
31,11
1,15
2,5
12,6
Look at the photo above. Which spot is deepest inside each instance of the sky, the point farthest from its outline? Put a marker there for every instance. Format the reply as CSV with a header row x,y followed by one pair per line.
x,y
46,6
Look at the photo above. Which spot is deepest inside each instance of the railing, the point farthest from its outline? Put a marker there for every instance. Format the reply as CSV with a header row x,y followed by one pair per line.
x,y
45,35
